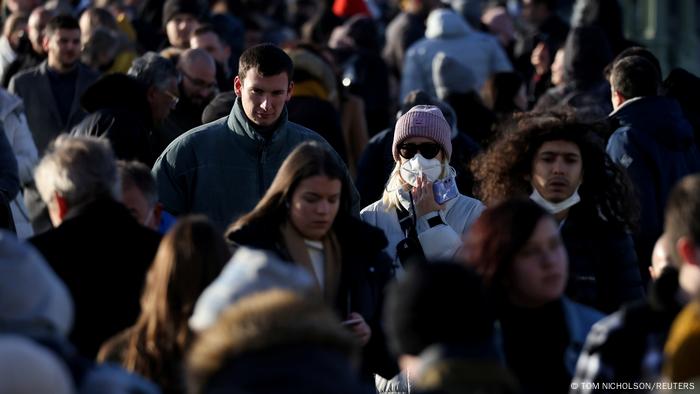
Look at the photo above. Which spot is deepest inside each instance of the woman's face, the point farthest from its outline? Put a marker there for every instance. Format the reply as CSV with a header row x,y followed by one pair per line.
x,y
314,205
557,68
538,273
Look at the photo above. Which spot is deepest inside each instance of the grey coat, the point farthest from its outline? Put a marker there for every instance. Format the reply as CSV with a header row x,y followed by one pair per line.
x,y
43,116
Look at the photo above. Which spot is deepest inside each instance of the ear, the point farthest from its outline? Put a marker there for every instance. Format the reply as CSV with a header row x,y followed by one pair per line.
x,y
151,94
618,98
687,251
45,43
58,208
62,205
157,213
237,85
289,91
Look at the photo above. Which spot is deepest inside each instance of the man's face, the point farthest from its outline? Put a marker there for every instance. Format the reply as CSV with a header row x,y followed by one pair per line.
x,y
21,6
63,48
263,98
162,101
211,43
179,29
557,170
137,204
534,12
35,30
199,82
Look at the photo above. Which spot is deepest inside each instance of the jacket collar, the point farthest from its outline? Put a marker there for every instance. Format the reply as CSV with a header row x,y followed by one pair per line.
x,y
239,123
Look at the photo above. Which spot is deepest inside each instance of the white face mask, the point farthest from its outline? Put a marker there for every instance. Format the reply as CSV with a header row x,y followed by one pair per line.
x,y
555,208
412,169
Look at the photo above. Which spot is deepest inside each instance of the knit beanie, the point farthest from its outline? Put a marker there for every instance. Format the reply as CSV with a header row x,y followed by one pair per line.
x,y
174,7
423,121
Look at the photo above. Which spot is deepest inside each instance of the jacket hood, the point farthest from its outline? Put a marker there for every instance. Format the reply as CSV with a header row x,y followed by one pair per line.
x,y
249,271
32,297
445,23
115,91
586,54
660,118
9,103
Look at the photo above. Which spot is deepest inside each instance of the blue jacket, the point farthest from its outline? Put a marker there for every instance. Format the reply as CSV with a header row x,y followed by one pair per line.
x,y
223,168
655,143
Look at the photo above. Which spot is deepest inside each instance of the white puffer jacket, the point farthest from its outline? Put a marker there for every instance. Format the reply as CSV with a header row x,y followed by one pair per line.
x,y
17,131
439,242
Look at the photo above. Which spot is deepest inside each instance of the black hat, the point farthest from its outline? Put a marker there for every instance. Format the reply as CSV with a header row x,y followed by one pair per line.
x,y
219,107
436,303
174,7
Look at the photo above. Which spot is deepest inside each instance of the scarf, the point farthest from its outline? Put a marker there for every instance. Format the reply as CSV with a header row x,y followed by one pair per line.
x,y
299,252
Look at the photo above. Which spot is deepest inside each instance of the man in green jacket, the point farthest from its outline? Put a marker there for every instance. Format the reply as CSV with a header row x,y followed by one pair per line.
x,y
223,168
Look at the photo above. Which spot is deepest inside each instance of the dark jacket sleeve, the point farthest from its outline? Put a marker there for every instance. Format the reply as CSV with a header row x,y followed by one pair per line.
x,y
9,177
623,270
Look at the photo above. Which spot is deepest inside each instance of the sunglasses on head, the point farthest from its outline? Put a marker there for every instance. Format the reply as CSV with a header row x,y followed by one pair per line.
x,y
427,149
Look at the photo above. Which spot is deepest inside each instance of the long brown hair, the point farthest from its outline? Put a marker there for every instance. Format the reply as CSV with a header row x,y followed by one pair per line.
x,y
306,160
190,257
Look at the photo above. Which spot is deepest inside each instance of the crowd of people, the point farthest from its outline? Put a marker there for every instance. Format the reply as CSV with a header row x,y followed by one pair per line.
x,y
347,196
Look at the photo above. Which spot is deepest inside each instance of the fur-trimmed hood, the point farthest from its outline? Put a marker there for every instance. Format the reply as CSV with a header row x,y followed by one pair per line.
x,y
262,324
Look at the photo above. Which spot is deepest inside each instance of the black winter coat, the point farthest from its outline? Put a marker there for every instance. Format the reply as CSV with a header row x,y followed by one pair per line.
x,y
603,269
102,255
119,111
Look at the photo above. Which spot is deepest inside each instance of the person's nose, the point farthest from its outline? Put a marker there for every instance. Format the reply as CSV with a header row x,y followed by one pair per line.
x,y
322,208
265,104
558,166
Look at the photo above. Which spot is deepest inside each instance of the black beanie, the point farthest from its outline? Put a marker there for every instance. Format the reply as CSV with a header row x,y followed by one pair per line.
x,y
174,7
436,303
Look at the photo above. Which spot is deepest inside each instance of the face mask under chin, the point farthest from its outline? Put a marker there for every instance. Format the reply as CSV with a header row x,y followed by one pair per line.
x,y
555,208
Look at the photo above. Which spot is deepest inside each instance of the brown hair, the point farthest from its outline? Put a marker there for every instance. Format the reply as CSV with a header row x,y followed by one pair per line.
x,y
306,160
504,169
682,218
189,258
491,249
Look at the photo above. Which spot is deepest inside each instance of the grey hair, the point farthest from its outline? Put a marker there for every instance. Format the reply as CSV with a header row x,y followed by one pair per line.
x,y
79,169
153,70
138,175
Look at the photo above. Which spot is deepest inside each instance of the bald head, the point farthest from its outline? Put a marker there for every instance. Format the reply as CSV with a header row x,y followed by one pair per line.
x,y
35,27
198,69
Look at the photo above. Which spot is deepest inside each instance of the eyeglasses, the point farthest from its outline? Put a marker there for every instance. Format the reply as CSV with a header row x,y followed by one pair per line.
x,y
200,83
427,149
173,99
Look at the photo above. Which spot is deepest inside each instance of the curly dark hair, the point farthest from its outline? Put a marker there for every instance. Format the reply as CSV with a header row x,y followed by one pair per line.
x,y
503,171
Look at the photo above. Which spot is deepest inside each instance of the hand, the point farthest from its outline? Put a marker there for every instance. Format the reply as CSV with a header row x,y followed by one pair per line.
x,y
360,329
540,59
424,198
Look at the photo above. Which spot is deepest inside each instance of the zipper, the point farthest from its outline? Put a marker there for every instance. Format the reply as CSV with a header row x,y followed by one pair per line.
x,y
261,169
